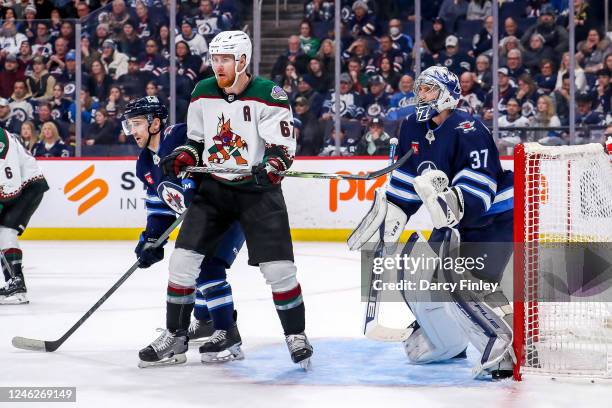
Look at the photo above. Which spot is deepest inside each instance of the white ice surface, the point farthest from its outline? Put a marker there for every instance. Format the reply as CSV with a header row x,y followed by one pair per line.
x,y
100,359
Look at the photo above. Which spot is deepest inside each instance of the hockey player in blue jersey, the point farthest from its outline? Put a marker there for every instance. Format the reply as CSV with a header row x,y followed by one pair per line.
x,y
211,300
456,173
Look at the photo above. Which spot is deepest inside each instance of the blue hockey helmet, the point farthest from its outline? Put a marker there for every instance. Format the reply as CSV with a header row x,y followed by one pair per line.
x,y
442,91
149,107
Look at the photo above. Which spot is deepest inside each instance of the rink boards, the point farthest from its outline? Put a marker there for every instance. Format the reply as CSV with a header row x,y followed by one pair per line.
x,y
93,199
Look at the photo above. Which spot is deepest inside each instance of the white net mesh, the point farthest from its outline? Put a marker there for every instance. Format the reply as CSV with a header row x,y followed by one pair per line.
x,y
568,198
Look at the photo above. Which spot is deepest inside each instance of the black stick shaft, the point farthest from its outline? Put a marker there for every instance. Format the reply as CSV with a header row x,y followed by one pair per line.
x,y
54,345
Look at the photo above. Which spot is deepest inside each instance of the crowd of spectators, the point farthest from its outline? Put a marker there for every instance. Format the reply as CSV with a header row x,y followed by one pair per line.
x,y
125,49
378,56
125,53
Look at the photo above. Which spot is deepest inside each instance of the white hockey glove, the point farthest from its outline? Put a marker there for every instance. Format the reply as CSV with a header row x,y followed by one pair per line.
x,y
381,212
445,205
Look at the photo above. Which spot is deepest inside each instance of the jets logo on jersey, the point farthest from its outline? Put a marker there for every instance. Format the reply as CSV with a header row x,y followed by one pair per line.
x,y
173,195
466,126
278,93
227,144
426,166
415,147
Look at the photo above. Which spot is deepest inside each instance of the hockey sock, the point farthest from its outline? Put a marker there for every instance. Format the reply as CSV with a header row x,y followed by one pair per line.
x,y
180,301
290,308
221,306
200,310
13,257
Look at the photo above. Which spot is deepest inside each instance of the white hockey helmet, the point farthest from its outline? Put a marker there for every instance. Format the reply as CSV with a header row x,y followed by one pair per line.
x,y
437,78
236,43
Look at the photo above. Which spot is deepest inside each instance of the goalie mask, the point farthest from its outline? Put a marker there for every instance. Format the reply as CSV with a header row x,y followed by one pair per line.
x,y
437,89
236,43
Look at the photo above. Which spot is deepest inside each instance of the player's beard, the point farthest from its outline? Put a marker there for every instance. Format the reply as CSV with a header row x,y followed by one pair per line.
x,y
227,80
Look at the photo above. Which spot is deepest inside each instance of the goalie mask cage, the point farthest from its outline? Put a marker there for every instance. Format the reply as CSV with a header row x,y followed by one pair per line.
x,y
563,194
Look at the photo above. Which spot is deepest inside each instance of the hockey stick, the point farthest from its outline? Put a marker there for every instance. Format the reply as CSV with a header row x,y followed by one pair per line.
x,y
302,174
371,328
391,334
50,346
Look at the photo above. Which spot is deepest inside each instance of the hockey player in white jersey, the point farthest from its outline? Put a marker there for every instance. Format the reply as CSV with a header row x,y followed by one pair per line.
x,y
455,172
236,121
22,186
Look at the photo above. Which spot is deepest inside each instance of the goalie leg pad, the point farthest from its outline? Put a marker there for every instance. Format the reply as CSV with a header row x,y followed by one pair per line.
x,y
439,337
486,319
382,211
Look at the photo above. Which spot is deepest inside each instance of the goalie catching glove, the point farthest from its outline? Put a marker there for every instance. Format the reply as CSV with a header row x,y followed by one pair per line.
x,y
445,205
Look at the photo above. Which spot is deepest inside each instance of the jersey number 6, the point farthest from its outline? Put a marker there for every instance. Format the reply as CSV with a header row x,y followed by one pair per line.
x,y
285,129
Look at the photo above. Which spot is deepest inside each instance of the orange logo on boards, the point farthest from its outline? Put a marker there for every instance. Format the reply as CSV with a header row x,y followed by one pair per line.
x,y
353,188
86,187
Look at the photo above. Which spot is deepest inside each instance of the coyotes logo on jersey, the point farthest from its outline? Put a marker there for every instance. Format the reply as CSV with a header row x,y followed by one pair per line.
x,y
227,144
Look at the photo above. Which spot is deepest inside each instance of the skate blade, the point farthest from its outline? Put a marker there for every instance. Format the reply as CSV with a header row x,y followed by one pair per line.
x,y
174,360
306,364
231,354
15,299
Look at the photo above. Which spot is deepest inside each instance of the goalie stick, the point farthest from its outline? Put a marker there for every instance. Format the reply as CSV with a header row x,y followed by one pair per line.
x,y
371,328
50,346
303,174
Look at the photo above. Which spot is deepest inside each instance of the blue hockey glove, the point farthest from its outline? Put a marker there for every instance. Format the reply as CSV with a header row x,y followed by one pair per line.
x,y
145,252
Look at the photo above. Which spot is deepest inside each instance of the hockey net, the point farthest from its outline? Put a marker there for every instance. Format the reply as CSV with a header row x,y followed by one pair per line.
x,y
563,195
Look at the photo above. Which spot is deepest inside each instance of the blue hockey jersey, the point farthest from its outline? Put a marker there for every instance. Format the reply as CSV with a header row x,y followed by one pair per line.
x,y
463,148
159,215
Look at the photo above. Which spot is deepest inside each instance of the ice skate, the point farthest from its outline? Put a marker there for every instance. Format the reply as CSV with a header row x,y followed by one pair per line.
x,y
300,349
497,370
14,292
168,349
200,331
223,346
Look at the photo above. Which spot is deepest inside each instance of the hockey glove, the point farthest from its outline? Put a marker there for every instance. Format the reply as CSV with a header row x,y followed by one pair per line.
x,y
264,173
183,156
145,252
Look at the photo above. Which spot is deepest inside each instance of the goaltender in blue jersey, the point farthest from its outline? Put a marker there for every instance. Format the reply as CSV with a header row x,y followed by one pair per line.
x,y
145,120
456,174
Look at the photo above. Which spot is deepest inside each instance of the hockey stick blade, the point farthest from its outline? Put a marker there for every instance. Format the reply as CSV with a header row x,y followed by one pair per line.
x,y
388,334
301,174
50,346
29,344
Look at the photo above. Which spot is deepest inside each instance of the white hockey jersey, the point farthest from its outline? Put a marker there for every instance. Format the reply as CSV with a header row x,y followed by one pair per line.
x,y
18,168
239,131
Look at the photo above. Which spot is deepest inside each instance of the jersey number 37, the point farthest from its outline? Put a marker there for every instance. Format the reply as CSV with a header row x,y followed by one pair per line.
x,y
476,156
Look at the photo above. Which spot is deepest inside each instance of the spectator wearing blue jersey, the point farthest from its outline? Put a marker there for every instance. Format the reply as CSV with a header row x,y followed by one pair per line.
x,y
363,21
401,41
51,144
546,79
403,102
319,10
347,144
351,106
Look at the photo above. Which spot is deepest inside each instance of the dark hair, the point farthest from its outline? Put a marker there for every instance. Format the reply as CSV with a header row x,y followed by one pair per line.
x,y
565,76
307,23
547,61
